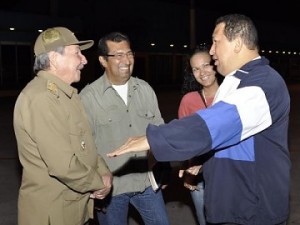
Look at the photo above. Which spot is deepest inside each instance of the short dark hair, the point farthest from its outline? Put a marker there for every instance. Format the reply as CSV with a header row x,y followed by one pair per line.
x,y
113,36
237,25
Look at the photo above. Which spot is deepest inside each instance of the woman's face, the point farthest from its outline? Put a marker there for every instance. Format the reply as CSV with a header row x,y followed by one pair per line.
x,y
202,69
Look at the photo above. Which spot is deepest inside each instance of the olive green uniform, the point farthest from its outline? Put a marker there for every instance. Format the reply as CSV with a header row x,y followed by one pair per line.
x,y
61,166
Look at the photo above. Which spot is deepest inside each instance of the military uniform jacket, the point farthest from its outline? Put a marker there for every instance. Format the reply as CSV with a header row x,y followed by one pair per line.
x,y
113,122
58,154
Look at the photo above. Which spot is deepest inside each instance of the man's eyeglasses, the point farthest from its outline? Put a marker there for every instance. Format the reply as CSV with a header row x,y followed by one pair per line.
x,y
121,55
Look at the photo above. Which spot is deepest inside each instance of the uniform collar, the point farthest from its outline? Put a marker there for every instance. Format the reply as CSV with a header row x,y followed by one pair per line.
x,y
64,87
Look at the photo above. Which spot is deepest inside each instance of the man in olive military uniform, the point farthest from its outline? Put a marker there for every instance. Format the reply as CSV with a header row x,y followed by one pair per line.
x,y
62,171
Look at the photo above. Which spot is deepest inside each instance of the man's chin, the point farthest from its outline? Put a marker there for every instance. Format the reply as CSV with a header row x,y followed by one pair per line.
x,y
126,75
77,78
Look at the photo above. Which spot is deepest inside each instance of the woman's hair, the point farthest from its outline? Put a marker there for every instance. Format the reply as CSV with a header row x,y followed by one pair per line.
x,y
189,81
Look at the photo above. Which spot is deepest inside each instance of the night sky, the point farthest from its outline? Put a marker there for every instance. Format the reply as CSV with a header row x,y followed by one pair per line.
x,y
167,21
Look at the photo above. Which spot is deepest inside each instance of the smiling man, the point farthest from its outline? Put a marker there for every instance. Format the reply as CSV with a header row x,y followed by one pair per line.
x,y
247,181
120,106
61,169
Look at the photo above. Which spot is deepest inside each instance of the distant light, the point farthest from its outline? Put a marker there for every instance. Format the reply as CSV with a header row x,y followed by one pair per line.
x,y
40,31
282,52
185,46
152,44
171,45
11,28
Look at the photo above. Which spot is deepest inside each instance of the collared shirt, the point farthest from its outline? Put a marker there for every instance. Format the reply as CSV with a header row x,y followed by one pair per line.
x,y
57,152
113,122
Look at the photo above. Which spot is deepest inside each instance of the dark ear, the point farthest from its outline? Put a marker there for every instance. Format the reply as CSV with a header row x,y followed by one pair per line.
x,y
103,61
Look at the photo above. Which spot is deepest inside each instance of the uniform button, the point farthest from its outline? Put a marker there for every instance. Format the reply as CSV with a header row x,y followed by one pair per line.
x,y
129,125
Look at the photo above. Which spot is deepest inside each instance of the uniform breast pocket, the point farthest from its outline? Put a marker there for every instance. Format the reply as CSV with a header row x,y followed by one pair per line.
x,y
78,140
110,123
111,117
146,114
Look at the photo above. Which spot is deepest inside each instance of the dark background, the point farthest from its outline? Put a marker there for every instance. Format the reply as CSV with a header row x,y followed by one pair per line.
x,y
160,21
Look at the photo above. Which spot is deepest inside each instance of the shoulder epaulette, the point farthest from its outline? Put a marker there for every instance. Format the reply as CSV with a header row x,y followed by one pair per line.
x,y
51,86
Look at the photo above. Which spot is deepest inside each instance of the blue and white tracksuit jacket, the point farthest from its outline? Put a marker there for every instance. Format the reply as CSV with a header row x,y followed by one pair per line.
x,y
248,178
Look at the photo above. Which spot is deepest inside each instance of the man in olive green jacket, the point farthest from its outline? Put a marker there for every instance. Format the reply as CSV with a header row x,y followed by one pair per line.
x,y
62,171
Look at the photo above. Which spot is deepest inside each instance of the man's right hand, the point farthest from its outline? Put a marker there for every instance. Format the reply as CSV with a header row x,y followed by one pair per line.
x,y
133,144
102,193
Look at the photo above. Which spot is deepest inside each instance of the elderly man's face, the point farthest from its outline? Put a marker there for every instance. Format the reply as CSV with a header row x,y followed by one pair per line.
x,y
68,65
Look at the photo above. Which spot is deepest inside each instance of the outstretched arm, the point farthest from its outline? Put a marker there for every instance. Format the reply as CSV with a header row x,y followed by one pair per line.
x,y
133,144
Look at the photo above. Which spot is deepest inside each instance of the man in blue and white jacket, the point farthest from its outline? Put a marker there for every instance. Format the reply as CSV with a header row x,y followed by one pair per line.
x,y
248,178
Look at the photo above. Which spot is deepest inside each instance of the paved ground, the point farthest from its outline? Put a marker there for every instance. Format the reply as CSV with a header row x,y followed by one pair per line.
x,y
178,200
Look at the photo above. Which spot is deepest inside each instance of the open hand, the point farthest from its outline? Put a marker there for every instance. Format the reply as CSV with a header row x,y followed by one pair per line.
x,y
133,144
